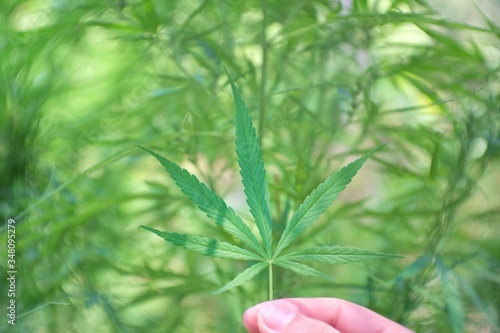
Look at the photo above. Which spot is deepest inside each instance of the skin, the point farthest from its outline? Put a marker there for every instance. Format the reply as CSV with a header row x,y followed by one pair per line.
x,y
316,315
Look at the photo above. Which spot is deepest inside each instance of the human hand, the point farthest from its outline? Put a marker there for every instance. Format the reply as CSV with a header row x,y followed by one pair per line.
x,y
316,315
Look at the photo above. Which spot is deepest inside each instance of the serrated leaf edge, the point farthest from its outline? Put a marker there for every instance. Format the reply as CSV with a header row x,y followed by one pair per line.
x,y
204,245
336,255
252,171
212,200
312,207
244,276
301,268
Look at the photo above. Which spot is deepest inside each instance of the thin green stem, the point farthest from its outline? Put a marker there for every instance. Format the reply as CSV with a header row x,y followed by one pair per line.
x,y
271,291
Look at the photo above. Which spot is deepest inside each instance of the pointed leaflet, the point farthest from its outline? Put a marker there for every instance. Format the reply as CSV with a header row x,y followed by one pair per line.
x,y
204,245
209,202
336,255
252,170
319,199
244,276
301,269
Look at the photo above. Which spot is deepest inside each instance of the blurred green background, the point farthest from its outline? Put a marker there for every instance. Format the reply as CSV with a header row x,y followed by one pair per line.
x,y
83,81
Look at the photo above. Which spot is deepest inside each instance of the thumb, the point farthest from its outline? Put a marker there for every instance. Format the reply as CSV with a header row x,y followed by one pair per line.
x,y
284,318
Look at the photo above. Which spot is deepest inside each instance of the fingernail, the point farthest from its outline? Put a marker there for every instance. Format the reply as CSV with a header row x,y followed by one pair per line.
x,y
275,317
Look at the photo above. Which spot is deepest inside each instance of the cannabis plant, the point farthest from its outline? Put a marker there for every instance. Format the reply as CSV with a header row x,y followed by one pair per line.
x,y
253,174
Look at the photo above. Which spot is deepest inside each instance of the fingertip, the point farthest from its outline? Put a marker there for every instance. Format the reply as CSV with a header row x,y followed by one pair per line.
x,y
254,317
326,315
250,317
275,316
281,316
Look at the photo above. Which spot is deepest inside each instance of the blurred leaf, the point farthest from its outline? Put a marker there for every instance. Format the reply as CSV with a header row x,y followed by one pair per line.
x,y
452,296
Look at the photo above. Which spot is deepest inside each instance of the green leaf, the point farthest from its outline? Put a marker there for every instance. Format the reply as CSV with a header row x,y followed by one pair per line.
x,y
455,308
470,293
336,255
319,199
209,202
206,246
414,268
252,170
244,276
301,269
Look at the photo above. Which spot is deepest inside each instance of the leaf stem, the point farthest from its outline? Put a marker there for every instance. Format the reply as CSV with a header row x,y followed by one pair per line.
x,y
271,291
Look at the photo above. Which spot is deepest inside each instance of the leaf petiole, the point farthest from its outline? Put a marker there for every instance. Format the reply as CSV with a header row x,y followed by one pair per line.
x,y
271,291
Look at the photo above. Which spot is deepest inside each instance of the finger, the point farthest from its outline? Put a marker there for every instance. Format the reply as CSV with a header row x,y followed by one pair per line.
x,y
344,316
278,318
284,310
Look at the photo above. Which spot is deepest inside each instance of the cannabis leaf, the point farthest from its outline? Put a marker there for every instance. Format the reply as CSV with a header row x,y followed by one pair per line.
x,y
252,170
261,253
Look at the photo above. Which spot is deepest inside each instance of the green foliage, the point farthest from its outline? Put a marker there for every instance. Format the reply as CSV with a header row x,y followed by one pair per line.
x,y
256,188
316,203
252,171
210,203
83,82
